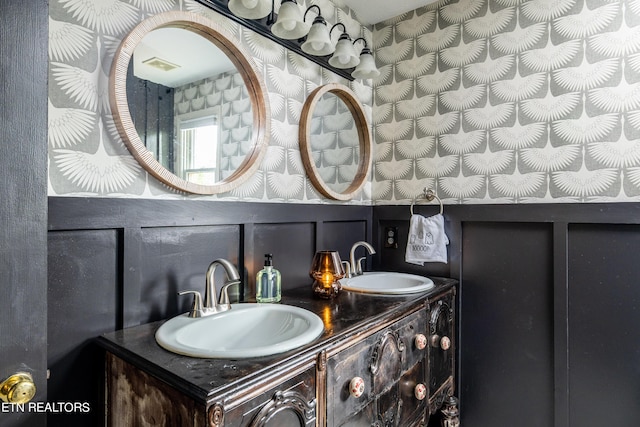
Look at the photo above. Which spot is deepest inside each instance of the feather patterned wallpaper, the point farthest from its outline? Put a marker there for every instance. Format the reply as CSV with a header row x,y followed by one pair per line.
x,y
509,101
87,157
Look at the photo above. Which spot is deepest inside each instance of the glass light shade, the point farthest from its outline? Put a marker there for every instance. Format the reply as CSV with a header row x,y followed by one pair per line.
x,y
318,41
250,9
366,69
345,55
326,270
290,25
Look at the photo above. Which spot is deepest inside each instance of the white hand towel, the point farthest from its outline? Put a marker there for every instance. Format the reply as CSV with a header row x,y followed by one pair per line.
x,y
427,240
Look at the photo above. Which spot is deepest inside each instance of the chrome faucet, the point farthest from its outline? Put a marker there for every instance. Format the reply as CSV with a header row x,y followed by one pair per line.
x,y
354,268
211,306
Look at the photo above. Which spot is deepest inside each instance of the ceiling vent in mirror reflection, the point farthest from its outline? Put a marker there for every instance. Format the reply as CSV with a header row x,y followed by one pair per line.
x,y
157,63
174,81
189,56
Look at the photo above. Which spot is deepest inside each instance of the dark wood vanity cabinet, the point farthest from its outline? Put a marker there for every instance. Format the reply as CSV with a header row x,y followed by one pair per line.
x,y
400,351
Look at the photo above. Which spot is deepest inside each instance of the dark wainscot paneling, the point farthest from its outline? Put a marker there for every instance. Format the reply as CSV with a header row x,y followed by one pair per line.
x,y
115,263
604,314
548,294
549,306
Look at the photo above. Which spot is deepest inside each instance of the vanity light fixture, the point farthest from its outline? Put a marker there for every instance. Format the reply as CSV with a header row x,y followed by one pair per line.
x,y
290,25
288,28
366,69
345,55
250,9
318,41
326,270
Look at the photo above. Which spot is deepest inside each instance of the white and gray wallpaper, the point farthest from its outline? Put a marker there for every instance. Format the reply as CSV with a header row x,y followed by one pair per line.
x,y
509,101
485,101
87,157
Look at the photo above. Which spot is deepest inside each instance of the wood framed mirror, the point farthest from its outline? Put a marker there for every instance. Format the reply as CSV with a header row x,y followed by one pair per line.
x,y
335,141
188,103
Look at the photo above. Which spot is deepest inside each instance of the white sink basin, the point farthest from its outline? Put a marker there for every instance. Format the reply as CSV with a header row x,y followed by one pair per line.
x,y
387,283
247,330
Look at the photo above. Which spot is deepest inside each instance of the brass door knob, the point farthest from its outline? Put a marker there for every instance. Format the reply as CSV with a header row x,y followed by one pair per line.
x,y
18,388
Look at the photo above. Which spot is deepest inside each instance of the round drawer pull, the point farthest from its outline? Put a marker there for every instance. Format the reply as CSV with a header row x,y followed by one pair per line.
x,y
356,387
442,342
420,391
420,341
445,343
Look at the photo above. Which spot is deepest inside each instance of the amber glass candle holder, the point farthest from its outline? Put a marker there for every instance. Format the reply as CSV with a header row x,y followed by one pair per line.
x,y
326,270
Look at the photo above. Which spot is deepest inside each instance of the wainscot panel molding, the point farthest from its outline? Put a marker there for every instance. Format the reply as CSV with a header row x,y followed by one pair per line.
x,y
548,295
115,263
549,303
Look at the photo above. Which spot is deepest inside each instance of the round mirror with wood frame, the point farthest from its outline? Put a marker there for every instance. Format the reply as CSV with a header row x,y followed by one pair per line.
x,y
256,141
358,153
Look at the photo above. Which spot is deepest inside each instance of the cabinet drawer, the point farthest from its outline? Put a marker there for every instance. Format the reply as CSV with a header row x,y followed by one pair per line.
x,y
290,404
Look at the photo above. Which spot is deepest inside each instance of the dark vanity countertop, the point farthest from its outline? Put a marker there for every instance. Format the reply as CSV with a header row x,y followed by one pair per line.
x,y
348,315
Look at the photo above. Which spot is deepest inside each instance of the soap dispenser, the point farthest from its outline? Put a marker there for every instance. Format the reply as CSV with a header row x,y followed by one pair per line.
x,y
268,282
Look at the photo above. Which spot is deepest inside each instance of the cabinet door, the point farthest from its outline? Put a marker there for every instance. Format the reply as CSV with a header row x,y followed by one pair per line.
x,y
441,349
390,367
292,403
285,409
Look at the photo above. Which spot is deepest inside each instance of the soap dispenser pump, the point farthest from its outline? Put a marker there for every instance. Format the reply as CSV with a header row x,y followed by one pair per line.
x,y
268,282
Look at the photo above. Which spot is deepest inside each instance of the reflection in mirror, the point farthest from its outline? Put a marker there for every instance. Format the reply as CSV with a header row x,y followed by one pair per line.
x,y
180,86
336,143
194,114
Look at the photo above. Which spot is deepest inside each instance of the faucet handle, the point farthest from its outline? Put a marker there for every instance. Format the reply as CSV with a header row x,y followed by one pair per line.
x,y
359,266
196,307
224,293
347,269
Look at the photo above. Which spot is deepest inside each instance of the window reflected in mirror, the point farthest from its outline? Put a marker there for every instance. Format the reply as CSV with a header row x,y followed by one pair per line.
x,y
197,160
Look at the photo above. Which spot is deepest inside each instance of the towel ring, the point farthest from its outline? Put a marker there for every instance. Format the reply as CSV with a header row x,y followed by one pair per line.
x,y
429,195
